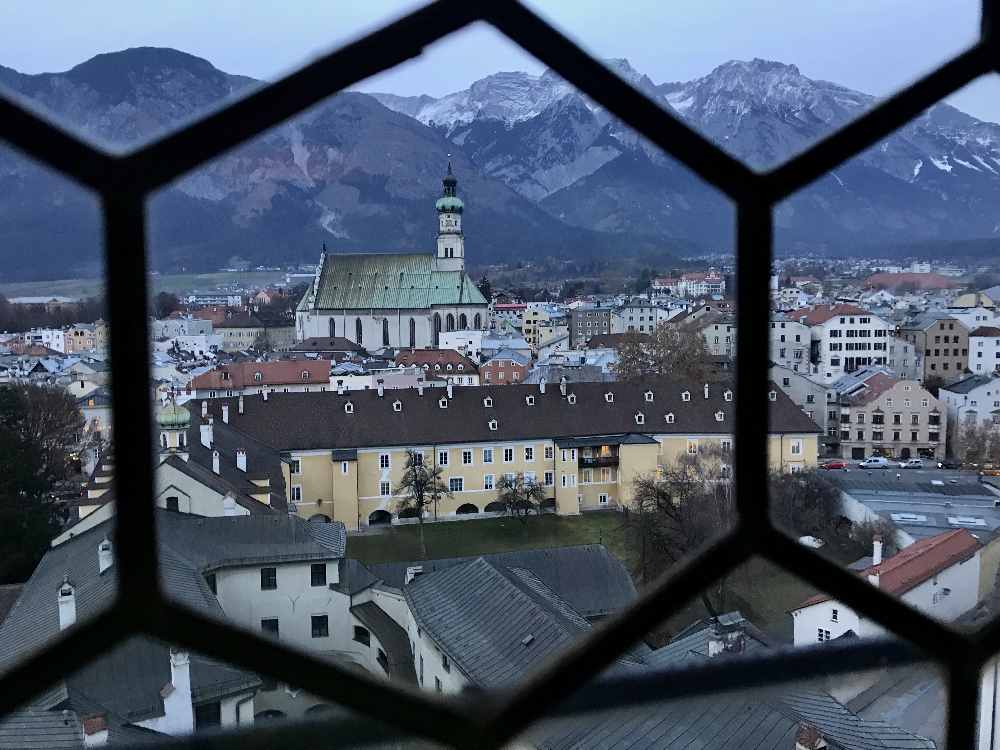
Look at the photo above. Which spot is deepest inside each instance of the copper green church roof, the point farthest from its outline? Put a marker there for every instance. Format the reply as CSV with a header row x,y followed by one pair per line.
x,y
389,280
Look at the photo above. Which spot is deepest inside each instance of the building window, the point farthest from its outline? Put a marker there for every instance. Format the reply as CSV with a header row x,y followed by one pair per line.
x,y
296,493
834,615
529,453
317,574
467,457
296,466
362,636
173,504
602,498
445,663
442,458
796,447
268,579
211,582
692,447
508,455
320,626
344,469
822,635
456,484
549,478
437,684
383,461
487,455
269,626
385,489
488,480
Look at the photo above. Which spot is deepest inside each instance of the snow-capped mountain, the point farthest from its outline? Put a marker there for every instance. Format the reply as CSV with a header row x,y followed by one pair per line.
x,y
936,178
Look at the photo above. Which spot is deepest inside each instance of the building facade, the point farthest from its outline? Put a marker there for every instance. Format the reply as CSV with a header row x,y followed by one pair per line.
x,y
397,299
984,350
944,341
588,320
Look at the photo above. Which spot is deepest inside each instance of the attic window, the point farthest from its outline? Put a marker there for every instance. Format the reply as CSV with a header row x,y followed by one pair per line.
x,y
686,396
640,418
488,402
437,367
728,395
305,375
529,400
609,397
571,398
348,408
461,367
649,396
493,424
397,405
449,367
772,395
720,416
669,417
257,376
443,403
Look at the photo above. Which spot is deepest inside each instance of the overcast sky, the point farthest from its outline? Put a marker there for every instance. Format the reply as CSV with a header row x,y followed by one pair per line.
x,y
870,45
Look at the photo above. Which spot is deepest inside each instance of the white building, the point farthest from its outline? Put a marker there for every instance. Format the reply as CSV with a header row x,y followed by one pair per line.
x,y
984,349
397,299
975,399
790,344
844,338
641,317
938,575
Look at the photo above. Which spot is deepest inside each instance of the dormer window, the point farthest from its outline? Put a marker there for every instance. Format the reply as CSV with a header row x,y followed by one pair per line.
x,y
305,375
529,400
728,395
686,396
720,416
257,376
609,397
772,395
493,425
426,366
488,402
348,408
437,367
449,367
640,418
461,367
649,397
669,417
397,405
571,398
443,403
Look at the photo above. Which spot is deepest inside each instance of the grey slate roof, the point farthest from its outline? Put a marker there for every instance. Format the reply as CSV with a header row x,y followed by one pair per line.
x,y
495,624
207,477
764,719
301,421
967,384
8,595
588,577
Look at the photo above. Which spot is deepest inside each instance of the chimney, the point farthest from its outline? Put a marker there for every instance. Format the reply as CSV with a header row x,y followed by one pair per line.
x,y
225,412
340,388
239,407
381,388
873,576
420,389
808,737
95,730
215,462
229,505
204,409
726,639
541,385
207,430
451,391
877,549
706,390
264,394
241,459
105,557
176,694
67,603
563,380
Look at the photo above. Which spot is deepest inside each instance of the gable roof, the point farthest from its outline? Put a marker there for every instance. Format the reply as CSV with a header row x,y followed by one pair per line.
x,y
318,421
989,331
389,280
819,314
968,384
431,357
282,372
588,577
915,564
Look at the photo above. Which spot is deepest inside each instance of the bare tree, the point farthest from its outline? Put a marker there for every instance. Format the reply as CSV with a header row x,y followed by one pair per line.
x,y
51,421
670,350
976,443
520,497
420,487
804,503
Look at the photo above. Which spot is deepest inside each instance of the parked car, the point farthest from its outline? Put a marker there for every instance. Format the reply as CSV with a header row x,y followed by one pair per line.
x,y
990,470
834,463
949,463
874,462
912,463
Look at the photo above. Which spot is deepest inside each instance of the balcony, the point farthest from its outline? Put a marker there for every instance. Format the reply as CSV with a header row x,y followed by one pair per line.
x,y
588,462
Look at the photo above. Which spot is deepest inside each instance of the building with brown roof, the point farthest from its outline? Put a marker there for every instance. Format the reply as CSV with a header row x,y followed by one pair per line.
x,y
585,443
938,575
944,341
246,331
844,338
883,416
447,364
244,378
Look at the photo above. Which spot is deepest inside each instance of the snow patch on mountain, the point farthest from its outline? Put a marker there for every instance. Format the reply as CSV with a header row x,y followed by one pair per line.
x,y
941,163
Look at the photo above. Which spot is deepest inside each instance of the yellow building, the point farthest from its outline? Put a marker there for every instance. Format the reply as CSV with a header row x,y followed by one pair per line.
x,y
531,321
343,454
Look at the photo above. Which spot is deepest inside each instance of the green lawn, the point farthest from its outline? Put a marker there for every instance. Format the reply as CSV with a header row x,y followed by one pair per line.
x,y
480,536
761,591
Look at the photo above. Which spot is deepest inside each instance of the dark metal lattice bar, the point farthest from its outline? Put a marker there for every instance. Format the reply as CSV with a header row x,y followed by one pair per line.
x,y
124,181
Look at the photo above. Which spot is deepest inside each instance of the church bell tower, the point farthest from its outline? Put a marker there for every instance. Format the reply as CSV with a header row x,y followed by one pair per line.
x,y
450,241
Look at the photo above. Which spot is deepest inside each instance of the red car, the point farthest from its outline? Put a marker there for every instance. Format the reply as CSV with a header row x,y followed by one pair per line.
x,y
836,463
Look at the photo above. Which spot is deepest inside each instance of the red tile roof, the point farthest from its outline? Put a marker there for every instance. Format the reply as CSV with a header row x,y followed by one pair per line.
x,y
915,564
875,386
921,280
431,357
242,374
822,313
992,331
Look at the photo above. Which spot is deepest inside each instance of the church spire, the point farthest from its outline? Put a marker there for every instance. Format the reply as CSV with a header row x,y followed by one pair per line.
x,y
451,244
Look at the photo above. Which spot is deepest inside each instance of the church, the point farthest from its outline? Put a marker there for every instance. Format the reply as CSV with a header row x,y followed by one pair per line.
x,y
397,300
